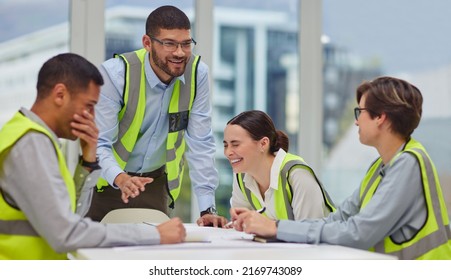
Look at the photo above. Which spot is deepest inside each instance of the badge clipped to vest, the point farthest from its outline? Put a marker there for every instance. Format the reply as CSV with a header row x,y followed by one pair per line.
x,y
178,121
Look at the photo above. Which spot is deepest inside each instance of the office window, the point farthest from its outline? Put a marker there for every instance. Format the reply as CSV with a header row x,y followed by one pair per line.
x,y
406,39
29,36
253,41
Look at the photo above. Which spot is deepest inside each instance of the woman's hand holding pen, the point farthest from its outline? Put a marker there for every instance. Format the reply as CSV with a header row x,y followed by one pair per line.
x,y
234,212
252,222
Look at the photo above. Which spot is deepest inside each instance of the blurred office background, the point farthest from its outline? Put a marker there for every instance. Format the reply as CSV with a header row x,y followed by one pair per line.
x,y
258,60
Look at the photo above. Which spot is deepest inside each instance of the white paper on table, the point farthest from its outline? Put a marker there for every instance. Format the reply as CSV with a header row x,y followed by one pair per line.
x,y
195,233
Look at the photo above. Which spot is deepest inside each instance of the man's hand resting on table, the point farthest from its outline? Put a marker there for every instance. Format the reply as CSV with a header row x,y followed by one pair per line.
x,y
210,220
172,231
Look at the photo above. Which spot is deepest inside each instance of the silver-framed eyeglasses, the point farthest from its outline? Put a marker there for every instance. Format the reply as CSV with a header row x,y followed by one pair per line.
x,y
172,46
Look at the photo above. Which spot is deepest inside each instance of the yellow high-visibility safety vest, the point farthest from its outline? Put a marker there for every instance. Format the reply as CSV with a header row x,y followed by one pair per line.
x,y
132,114
18,238
433,240
284,194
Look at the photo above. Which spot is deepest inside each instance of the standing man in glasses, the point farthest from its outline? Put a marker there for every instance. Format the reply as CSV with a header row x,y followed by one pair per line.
x,y
153,114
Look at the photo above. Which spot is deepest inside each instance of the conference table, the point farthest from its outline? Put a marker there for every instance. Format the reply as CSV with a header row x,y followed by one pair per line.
x,y
226,244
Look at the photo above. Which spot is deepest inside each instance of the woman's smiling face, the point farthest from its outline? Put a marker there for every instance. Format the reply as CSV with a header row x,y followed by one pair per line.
x,y
240,149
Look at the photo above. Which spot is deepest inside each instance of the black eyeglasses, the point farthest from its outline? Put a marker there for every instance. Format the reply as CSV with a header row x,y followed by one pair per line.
x,y
358,111
172,46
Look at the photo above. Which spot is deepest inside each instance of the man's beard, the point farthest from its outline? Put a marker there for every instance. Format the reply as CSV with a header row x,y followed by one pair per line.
x,y
165,67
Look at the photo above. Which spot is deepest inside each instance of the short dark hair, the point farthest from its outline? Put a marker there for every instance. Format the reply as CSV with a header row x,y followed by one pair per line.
x,y
258,124
166,17
398,99
73,70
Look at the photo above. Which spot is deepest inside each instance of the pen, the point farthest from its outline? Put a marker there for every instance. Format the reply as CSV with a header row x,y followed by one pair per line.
x,y
260,211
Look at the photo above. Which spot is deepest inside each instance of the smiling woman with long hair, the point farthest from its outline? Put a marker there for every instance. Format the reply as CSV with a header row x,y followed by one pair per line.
x,y
266,175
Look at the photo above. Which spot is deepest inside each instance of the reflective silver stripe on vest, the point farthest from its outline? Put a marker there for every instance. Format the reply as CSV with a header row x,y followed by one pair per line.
x,y
132,71
173,184
433,240
17,227
170,156
370,182
239,178
183,105
284,177
327,200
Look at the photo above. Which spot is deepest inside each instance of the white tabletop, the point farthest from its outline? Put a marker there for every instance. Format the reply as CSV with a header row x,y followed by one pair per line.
x,y
226,244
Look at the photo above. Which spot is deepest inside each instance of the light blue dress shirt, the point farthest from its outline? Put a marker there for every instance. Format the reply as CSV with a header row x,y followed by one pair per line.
x,y
149,152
